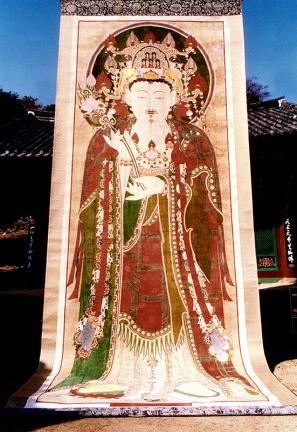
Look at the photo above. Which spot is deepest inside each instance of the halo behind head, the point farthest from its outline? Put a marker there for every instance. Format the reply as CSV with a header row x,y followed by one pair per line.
x,y
149,53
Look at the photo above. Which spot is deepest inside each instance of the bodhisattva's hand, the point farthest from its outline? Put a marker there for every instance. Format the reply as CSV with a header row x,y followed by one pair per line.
x,y
122,143
145,186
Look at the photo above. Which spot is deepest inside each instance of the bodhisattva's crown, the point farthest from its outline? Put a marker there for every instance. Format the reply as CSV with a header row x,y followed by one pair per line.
x,y
146,60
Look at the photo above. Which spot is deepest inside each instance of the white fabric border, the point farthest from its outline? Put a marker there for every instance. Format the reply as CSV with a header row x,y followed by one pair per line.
x,y
272,400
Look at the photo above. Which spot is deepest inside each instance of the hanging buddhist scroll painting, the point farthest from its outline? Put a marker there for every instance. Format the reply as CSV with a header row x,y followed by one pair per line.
x,y
147,305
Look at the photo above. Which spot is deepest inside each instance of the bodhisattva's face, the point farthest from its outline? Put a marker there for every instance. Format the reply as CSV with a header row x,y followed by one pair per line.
x,y
150,101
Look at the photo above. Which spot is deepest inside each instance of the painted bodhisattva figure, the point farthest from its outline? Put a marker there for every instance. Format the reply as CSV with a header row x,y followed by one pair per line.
x,y
150,268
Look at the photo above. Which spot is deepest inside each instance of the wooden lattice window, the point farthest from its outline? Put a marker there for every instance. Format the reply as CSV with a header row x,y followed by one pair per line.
x,y
266,249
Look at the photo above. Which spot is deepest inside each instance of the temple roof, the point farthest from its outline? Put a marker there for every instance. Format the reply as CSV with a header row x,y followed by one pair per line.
x,y
271,118
27,137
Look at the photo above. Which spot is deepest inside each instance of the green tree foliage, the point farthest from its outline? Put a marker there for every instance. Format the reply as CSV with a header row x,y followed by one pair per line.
x,y
30,103
256,92
11,106
49,108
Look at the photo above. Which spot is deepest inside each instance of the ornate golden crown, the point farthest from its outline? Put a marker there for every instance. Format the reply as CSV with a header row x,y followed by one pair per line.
x,y
152,60
148,59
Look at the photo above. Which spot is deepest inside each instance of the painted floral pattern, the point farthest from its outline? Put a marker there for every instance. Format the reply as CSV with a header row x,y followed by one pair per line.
x,y
151,7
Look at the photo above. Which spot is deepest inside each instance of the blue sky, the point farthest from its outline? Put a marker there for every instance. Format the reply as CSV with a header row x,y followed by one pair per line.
x,y
29,32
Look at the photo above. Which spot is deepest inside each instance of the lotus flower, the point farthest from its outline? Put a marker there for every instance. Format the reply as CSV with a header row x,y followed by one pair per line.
x,y
89,105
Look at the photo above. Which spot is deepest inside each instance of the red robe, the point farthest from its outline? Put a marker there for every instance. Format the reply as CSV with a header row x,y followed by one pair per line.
x,y
171,283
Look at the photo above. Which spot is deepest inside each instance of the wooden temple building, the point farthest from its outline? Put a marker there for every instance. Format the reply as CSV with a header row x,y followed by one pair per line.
x,y
273,152
26,146
273,138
